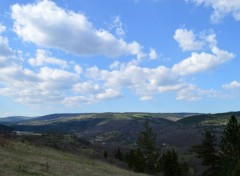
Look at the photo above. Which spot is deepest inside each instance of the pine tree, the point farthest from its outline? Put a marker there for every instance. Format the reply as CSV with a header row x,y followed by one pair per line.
x,y
230,146
184,168
147,146
171,166
236,170
135,160
145,158
118,154
105,155
130,159
208,153
139,163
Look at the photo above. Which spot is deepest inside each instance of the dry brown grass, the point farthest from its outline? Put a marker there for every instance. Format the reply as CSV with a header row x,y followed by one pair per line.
x,y
4,142
20,159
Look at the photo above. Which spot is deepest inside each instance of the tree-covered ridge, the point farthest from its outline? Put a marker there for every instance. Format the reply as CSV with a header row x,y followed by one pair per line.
x,y
219,119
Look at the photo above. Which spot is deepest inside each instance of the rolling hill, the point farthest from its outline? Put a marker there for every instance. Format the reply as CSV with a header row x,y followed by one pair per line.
x,y
4,129
115,129
179,130
218,119
14,119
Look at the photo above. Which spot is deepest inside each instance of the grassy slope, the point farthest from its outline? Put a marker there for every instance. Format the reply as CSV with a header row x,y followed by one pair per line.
x,y
22,160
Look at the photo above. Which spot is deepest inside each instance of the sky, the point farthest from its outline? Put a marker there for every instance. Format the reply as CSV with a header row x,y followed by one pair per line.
x,y
71,56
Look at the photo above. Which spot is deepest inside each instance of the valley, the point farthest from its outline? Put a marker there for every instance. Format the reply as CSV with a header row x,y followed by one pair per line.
x,y
99,132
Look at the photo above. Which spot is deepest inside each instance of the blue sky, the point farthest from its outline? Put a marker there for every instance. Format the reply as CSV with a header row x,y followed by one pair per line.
x,y
119,56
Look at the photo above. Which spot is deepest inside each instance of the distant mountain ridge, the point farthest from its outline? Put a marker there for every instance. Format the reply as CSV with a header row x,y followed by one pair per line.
x,y
15,118
4,129
104,114
108,128
175,129
209,119
57,115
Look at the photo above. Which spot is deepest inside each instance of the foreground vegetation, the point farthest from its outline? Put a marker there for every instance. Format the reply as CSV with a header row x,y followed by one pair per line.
x,y
23,159
222,160
217,160
148,158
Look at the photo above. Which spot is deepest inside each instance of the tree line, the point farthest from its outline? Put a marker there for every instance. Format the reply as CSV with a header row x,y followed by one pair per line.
x,y
148,158
223,160
218,160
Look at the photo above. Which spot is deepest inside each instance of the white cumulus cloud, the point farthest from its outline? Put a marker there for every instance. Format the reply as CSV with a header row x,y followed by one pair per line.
x,y
232,85
56,79
187,40
152,54
2,28
189,93
5,50
221,8
78,69
47,25
198,62
117,26
144,82
42,58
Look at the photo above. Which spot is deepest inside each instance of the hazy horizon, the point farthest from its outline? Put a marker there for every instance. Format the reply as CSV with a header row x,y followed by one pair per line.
x,y
40,115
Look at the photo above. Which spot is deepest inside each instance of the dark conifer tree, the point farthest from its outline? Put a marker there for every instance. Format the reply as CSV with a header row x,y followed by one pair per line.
x,y
208,153
145,158
135,160
171,166
130,159
105,155
230,146
236,170
118,154
146,145
139,164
